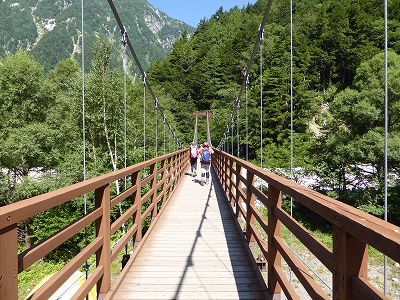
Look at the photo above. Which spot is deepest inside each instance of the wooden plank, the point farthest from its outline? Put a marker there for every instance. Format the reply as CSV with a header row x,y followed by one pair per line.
x,y
195,274
319,249
154,273
200,295
361,288
195,251
195,286
8,262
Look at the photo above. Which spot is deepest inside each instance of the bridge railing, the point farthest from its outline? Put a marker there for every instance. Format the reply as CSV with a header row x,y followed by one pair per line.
x,y
161,175
352,232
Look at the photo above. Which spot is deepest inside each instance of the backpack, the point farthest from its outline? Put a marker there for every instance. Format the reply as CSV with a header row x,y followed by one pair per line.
x,y
205,155
193,151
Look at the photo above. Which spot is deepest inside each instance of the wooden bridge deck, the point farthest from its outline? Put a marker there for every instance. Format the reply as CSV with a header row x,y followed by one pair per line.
x,y
195,251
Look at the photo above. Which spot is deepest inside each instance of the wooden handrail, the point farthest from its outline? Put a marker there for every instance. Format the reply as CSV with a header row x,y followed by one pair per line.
x,y
353,231
165,173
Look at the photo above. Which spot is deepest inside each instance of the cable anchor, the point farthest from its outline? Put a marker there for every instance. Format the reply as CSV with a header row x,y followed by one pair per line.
x,y
261,33
124,37
247,78
144,78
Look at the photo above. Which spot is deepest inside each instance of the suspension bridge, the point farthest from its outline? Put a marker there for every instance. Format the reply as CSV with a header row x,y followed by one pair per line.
x,y
225,240
204,242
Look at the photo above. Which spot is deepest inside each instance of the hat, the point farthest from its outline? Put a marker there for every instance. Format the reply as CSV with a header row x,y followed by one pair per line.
x,y
205,144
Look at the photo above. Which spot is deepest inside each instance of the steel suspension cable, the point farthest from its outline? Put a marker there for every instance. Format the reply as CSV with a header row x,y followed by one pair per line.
x,y
125,70
238,129
232,125
225,145
156,108
83,102
124,67
261,37
291,121
128,42
86,266
169,141
144,118
250,63
386,136
164,134
247,119
291,93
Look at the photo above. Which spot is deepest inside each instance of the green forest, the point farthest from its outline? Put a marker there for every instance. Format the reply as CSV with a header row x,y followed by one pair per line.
x,y
338,105
51,30
338,92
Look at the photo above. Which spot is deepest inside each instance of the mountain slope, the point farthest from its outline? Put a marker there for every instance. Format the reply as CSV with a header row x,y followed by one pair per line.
x,y
52,30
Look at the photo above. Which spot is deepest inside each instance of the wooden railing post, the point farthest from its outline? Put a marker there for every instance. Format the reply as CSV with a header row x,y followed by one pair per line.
x,y
238,188
153,184
164,181
350,260
168,174
231,181
173,172
250,215
226,174
136,199
9,262
179,166
216,162
222,169
274,230
103,255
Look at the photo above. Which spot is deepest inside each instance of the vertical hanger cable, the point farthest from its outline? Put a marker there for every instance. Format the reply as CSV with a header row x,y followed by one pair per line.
x,y
144,118
261,37
291,119
386,137
247,118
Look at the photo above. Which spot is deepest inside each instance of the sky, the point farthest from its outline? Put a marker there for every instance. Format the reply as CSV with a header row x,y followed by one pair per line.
x,y
192,11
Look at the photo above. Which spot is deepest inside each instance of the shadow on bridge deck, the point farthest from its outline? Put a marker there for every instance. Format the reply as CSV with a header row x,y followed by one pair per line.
x,y
195,251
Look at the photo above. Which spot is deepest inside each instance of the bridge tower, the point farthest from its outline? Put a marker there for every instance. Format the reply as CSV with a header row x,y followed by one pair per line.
x,y
206,114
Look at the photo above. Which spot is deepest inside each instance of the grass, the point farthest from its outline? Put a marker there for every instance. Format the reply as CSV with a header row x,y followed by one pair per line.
x,y
28,279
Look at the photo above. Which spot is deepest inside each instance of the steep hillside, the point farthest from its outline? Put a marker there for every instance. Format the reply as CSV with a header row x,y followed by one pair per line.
x,y
51,30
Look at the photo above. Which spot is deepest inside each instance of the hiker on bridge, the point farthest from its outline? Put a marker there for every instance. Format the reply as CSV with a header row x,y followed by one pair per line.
x,y
194,151
205,153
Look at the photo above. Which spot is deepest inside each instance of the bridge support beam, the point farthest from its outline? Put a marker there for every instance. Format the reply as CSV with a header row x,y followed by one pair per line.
x,y
249,205
274,228
8,263
350,260
103,255
153,184
136,201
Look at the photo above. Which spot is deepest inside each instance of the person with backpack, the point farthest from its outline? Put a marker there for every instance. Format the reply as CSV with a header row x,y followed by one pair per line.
x,y
205,154
193,158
